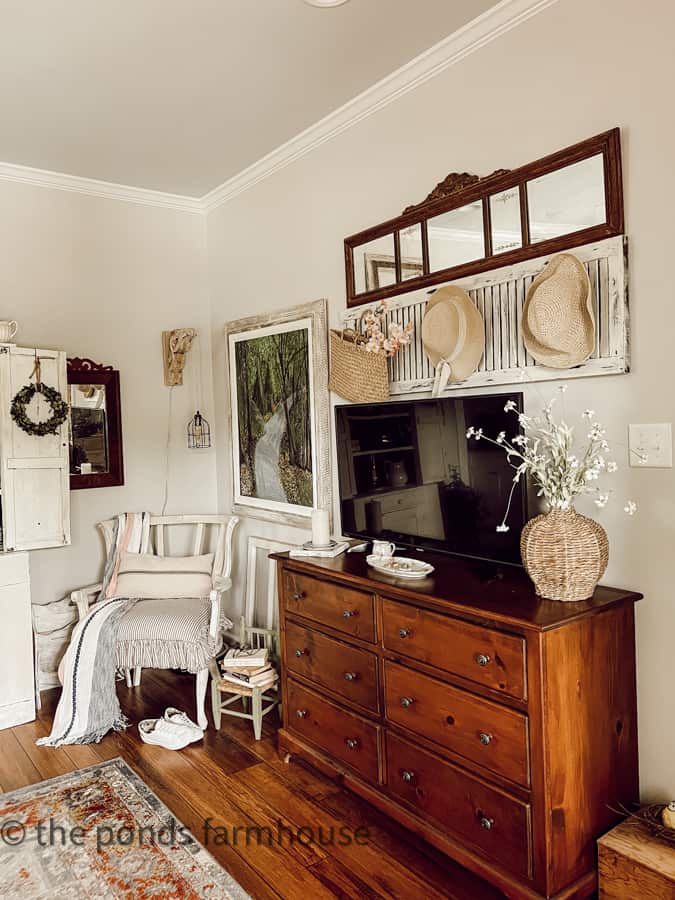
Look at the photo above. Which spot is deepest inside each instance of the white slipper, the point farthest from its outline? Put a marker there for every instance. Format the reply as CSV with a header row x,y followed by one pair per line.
x,y
165,734
178,717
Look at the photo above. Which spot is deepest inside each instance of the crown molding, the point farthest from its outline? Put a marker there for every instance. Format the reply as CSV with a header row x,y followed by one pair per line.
x,y
476,34
94,188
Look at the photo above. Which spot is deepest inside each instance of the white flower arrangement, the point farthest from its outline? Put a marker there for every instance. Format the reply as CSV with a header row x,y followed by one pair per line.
x,y
546,452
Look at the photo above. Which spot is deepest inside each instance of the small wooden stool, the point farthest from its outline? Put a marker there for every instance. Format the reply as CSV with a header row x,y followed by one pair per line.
x,y
225,693
635,865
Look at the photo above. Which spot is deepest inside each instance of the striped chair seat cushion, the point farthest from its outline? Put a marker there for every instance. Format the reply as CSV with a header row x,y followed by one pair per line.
x,y
167,634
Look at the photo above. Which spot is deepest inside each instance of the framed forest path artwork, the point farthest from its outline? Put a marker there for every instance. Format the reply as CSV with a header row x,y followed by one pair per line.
x,y
279,413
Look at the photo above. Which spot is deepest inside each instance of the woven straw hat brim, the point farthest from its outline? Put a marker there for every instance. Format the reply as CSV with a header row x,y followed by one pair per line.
x,y
558,323
440,331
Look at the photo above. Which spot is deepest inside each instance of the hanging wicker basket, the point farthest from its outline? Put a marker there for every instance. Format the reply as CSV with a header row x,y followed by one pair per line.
x,y
355,374
565,554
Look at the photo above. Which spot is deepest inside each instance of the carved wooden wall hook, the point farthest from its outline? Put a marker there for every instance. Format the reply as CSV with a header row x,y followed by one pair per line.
x,y
176,345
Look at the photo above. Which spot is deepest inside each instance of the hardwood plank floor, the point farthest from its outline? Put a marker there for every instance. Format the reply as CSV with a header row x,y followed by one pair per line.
x,y
240,783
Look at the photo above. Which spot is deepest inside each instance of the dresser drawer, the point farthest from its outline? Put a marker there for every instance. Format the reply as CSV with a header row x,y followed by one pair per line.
x,y
483,732
346,610
491,658
343,669
342,735
491,820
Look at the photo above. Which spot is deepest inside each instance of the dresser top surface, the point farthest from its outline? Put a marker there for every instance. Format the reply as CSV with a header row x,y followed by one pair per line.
x,y
502,593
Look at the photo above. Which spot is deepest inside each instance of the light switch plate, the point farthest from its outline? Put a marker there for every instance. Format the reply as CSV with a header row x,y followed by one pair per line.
x,y
655,442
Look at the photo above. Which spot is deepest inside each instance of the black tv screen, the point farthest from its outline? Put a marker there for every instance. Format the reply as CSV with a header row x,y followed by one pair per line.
x,y
409,474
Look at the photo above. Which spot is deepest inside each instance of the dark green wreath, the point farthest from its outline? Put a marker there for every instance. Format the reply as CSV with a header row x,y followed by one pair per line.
x,y
22,399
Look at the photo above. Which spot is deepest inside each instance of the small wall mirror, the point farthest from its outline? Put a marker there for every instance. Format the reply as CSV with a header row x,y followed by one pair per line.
x,y
567,200
505,222
96,458
456,237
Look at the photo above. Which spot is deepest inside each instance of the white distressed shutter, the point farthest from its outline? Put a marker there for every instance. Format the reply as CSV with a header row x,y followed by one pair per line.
x,y
35,470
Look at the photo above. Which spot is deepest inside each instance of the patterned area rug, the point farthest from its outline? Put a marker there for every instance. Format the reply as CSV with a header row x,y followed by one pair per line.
x,y
102,833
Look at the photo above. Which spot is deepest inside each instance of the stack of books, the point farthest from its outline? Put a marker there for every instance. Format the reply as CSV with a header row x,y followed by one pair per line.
x,y
248,668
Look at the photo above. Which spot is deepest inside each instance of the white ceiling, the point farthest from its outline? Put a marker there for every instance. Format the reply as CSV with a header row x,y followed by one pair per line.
x,y
180,95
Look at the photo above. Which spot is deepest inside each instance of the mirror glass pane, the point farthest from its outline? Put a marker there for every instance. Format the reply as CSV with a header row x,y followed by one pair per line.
x,y
456,237
88,430
410,242
567,200
374,264
505,221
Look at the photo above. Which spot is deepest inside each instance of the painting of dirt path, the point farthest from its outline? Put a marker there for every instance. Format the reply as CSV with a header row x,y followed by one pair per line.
x,y
274,421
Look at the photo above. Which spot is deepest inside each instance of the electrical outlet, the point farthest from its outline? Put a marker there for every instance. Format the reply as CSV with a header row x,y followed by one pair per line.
x,y
650,446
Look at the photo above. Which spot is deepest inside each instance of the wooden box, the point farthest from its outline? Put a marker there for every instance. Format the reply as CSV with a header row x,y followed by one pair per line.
x,y
633,864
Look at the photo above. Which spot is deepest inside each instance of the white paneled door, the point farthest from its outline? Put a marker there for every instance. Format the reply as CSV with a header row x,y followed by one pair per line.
x,y
34,469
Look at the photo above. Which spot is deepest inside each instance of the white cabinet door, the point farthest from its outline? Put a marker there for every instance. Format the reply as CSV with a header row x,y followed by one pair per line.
x,y
35,469
17,691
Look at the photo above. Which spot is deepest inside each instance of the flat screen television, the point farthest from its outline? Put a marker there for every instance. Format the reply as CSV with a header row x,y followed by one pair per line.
x,y
408,474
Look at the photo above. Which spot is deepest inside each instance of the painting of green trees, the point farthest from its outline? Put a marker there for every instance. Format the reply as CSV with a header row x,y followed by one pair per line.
x,y
273,407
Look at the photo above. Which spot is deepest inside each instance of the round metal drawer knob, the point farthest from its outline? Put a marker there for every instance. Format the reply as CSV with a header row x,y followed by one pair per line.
x,y
486,822
297,596
404,632
300,653
301,713
406,702
485,738
352,743
351,676
408,776
348,614
482,659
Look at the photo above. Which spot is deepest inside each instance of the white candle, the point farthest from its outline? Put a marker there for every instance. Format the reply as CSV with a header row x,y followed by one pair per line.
x,y
320,527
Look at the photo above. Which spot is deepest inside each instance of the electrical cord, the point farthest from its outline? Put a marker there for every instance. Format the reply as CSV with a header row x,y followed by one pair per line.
x,y
168,452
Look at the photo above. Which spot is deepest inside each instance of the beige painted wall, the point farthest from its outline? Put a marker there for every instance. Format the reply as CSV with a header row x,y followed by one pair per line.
x,y
574,70
102,278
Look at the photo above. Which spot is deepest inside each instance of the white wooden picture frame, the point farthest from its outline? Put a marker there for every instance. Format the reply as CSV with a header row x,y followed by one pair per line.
x,y
256,545
312,318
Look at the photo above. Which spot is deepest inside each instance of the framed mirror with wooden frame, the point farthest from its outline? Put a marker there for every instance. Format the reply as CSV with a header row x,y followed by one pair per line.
x,y
470,224
96,453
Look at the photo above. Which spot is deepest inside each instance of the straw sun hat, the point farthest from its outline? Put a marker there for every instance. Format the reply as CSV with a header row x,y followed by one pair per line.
x,y
558,321
453,334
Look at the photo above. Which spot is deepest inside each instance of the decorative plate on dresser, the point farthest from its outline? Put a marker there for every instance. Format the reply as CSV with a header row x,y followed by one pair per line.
x,y
500,727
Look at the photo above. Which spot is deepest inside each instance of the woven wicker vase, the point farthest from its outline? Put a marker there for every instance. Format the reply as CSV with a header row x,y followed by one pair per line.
x,y
565,554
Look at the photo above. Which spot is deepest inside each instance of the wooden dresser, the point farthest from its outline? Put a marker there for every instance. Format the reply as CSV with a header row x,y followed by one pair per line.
x,y
500,727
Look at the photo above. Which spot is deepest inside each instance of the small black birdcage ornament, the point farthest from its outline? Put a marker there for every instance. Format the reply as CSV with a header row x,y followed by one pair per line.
x,y
198,432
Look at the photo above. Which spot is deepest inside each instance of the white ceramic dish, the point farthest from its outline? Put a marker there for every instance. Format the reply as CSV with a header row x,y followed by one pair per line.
x,y
308,545
400,566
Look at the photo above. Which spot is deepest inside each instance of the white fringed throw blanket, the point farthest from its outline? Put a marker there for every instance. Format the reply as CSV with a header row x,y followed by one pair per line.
x,y
89,707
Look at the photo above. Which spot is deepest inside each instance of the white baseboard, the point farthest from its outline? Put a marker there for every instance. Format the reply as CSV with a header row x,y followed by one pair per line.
x,y
17,713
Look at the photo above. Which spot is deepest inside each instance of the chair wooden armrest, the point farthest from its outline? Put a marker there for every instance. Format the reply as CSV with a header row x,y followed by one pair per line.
x,y
82,598
221,584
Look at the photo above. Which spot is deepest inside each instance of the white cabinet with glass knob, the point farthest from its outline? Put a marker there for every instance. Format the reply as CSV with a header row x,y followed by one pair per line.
x,y
17,685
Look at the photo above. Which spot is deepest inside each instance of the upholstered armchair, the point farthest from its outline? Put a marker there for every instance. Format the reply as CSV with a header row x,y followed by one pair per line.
x,y
175,633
